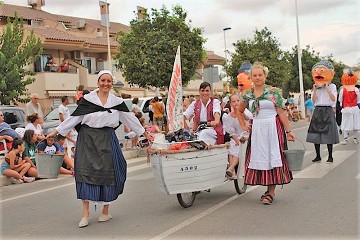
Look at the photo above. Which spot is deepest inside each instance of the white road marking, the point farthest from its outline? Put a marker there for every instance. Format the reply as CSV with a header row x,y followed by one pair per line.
x,y
33,193
320,169
200,215
358,176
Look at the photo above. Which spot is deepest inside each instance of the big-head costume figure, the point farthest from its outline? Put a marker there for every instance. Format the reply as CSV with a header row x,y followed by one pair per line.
x,y
323,128
244,82
349,96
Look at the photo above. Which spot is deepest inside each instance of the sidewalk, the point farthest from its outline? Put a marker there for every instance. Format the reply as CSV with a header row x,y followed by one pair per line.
x,y
128,154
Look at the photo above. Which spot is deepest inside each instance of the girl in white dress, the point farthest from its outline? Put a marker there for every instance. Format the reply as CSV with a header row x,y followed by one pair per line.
x,y
233,128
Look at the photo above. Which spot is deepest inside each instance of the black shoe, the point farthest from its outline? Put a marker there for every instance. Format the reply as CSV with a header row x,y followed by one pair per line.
x,y
316,159
330,160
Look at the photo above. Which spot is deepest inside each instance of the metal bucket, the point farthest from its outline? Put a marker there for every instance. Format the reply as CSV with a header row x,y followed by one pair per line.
x,y
48,165
295,158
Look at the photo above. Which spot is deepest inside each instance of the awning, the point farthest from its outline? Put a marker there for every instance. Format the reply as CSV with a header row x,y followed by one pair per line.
x,y
61,93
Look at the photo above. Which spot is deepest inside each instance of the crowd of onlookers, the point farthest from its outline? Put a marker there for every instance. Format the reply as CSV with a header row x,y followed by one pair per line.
x,y
22,144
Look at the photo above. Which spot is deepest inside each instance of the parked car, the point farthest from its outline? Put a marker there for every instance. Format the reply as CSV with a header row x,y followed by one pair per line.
x,y
13,115
51,120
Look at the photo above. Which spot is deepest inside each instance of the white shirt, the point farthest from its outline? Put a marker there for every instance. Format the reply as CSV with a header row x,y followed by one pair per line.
x,y
65,111
38,130
322,96
203,113
102,119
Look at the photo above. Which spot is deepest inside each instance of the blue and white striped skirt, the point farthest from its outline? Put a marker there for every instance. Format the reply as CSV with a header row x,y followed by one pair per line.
x,y
104,193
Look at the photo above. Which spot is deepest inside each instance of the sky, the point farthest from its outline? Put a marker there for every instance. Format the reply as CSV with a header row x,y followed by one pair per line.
x,y
328,26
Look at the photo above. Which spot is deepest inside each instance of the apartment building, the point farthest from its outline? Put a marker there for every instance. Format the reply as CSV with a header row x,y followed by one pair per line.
x,y
82,43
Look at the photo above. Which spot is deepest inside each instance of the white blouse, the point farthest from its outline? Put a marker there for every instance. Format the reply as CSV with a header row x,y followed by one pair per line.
x,y
322,96
102,119
38,130
203,113
232,125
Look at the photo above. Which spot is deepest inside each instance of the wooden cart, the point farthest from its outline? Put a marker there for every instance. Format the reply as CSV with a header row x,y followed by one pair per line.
x,y
187,172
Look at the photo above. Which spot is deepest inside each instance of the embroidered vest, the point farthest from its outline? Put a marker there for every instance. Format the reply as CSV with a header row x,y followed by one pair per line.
x,y
210,117
349,98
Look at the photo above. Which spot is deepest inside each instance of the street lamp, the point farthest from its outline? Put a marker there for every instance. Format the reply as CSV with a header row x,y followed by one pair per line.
x,y
302,106
225,29
108,35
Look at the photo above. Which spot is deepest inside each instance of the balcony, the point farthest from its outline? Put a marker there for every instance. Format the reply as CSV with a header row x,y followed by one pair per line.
x,y
53,81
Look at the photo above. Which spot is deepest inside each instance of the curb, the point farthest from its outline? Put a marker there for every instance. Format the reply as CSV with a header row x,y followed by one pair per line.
x,y
129,154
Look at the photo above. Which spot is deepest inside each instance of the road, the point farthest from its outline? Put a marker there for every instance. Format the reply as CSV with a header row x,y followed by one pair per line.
x,y
322,202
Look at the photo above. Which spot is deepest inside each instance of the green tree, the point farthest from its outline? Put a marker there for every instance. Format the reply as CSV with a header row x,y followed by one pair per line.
x,y
147,52
16,52
264,47
308,58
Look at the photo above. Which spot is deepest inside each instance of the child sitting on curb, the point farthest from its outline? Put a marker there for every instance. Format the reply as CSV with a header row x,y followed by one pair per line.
x,y
49,146
14,166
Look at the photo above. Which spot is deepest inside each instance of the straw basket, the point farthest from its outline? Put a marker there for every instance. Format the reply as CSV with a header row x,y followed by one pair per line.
x,y
48,165
295,157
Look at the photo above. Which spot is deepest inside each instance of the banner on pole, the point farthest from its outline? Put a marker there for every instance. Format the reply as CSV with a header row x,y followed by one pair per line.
x,y
174,104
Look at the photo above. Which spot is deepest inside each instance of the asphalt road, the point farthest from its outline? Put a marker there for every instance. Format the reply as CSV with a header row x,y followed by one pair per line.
x,y
322,202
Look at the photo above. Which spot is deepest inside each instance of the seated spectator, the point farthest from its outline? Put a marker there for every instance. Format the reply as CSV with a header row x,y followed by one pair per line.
x,y
131,135
151,128
297,114
50,65
29,139
49,146
35,124
135,108
6,133
64,66
14,166
68,161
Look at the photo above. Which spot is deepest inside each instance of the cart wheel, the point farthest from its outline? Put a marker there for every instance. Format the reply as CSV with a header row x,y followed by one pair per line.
x,y
186,199
239,182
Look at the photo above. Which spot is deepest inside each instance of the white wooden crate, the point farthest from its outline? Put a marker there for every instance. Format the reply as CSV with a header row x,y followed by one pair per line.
x,y
180,172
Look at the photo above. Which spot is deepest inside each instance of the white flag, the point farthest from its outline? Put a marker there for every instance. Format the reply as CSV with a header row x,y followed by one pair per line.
x,y
174,104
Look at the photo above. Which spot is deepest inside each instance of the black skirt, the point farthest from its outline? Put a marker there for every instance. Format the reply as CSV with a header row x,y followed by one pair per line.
x,y
323,128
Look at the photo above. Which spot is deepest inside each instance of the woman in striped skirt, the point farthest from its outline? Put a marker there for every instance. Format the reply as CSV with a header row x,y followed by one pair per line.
x,y
265,162
100,167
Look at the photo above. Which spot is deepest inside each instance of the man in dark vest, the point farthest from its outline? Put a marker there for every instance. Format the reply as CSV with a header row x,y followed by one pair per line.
x,y
207,111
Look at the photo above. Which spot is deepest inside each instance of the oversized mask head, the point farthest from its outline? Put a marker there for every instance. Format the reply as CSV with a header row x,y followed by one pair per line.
x,y
244,82
349,78
322,72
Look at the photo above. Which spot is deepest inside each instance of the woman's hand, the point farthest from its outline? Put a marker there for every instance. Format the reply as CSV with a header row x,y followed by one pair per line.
x,y
213,123
147,136
290,136
52,134
246,128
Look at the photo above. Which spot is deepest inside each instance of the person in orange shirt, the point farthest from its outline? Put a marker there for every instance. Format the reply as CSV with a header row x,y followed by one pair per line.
x,y
158,112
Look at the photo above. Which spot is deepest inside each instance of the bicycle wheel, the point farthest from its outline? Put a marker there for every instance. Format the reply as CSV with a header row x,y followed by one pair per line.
x,y
186,199
239,182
